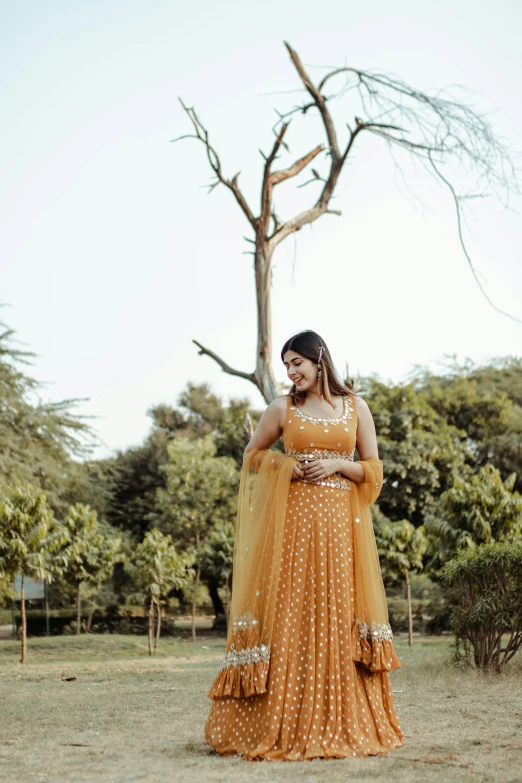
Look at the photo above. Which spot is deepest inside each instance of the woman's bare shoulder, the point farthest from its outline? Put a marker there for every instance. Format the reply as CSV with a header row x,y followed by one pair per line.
x,y
361,406
277,407
279,403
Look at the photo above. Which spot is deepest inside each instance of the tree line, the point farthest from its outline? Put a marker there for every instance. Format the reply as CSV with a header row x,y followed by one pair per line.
x,y
157,520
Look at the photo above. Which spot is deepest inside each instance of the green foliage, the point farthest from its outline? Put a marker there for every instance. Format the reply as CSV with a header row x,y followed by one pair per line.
x,y
157,568
421,452
29,534
216,554
486,403
480,508
201,413
37,440
6,590
133,478
92,548
487,583
29,540
90,554
401,547
200,491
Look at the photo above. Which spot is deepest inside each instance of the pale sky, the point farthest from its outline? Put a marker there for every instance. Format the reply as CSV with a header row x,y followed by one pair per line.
x,y
113,255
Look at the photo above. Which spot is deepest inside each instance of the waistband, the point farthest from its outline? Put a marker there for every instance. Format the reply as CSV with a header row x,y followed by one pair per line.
x,y
336,480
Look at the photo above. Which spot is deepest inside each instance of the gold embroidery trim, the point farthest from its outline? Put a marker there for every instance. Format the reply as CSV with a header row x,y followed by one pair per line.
x,y
336,480
244,623
246,656
308,454
347,414
381,632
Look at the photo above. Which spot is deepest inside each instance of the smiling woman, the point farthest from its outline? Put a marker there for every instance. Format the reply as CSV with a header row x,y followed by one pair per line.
x,y
309,648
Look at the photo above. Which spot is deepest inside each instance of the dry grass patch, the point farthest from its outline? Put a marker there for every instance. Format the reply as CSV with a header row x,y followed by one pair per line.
x,y
128,717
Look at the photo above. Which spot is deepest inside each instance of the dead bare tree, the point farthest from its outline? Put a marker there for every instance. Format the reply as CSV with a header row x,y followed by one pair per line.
x,y
439,129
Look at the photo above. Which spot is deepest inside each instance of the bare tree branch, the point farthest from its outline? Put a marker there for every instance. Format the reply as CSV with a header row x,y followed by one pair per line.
x,y
279,176
462,244
215,163
266,187
319,101
249,376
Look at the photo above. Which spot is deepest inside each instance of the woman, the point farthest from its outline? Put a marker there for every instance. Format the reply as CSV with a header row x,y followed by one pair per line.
x,y
309,646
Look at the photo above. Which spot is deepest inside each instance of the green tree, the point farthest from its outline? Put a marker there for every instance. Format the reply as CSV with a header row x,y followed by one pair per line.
x,y
479,508
156,569
90,554
487,585
200,493
401,548
132,479
6,589
200,412
421,452
486,403
38,441
29,541
215,557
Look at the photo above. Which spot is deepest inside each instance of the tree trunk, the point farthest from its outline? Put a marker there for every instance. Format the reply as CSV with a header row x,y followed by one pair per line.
x,y
89,621
46,597
158,627
217,603
78,608
194,600
23,659
410,613
269,387
151,623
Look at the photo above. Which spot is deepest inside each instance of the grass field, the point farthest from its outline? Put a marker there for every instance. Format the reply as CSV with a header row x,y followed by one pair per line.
x,y
128,717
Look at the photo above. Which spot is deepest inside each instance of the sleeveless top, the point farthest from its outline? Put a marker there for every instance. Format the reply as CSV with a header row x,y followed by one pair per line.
x,y
306,437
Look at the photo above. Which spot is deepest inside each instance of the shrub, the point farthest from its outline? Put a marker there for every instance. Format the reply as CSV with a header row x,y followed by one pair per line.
x,y
487,586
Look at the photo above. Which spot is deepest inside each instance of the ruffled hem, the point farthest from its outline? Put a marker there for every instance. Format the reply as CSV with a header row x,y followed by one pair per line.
x,y
240,681
373,647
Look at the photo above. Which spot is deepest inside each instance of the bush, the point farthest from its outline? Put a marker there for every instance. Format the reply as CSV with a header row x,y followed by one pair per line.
x,y
487,587
430,606
120,622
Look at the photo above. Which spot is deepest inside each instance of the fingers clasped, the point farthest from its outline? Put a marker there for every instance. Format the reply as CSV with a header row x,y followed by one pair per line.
x,y
319,468
297,472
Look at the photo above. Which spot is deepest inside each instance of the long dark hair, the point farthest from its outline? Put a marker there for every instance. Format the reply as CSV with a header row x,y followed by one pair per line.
x,y
308,344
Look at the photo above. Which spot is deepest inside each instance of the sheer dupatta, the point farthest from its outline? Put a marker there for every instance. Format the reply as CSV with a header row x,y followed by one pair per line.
x,y
263,494
258,546
371,633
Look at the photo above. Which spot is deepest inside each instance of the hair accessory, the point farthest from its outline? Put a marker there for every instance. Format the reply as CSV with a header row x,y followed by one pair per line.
x,y
319,372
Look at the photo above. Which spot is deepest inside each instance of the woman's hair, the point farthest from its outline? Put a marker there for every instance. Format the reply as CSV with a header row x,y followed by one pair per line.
x,y
308,344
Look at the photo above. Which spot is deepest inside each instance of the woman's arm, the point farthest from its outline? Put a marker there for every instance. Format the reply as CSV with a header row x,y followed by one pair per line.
x,y
366,442
366,436
270,428
366,447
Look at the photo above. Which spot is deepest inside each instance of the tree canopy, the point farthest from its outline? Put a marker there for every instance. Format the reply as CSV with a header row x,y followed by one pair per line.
x,y
41,443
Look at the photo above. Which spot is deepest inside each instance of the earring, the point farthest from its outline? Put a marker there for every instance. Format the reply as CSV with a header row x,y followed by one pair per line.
x,y
318,372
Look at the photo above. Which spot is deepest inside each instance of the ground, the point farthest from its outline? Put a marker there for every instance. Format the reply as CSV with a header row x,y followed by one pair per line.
x,y
128,717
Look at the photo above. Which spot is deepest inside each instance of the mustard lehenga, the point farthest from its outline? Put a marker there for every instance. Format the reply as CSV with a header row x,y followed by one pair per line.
x,y
309,648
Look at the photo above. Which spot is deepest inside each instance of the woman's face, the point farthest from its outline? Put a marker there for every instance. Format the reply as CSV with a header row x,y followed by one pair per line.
x,y
302,372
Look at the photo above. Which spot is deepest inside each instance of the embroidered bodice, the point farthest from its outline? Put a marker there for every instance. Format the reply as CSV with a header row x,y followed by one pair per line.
x,y
306,437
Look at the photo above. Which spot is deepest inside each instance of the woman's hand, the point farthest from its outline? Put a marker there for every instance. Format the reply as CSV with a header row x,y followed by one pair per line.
x,y
318,469
297,472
